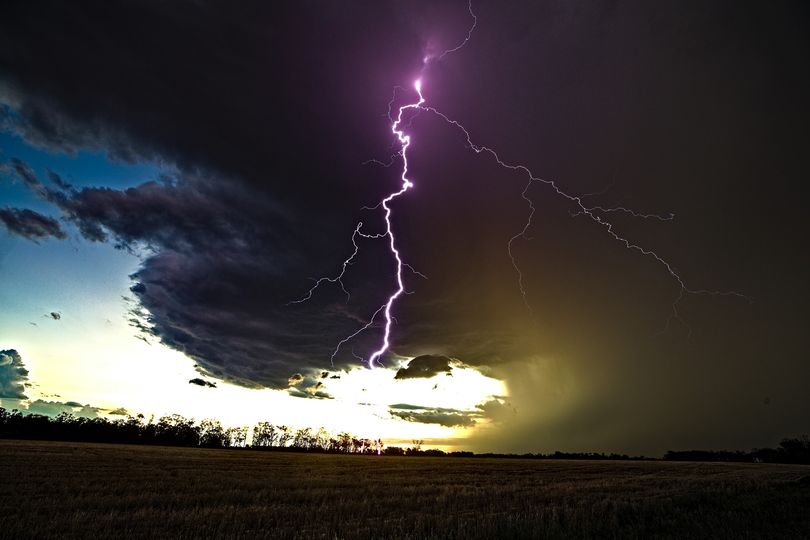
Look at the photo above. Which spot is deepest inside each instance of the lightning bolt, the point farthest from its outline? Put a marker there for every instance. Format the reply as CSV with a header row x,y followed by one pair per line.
x,y
405,142
594,213
339,278
467,38
405,185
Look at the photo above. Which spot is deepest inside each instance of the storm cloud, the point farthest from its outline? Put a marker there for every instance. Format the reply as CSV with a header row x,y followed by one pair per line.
x,y
201,382
441,417
13,375
495,410
29,224
425,366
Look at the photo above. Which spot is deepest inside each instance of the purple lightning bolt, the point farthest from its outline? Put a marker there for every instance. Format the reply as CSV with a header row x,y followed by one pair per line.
x,y
406,184
405,142
339,278
594,213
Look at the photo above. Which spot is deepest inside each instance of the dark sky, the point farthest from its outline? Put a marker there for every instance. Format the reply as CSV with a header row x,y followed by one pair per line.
x,y
266,112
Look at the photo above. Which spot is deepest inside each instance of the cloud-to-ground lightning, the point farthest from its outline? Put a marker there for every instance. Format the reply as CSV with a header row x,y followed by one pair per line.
x,y
405,185
405,141
596,213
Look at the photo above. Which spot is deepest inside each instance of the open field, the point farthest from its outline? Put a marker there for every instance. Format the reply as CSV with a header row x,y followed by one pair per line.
x,y
71,490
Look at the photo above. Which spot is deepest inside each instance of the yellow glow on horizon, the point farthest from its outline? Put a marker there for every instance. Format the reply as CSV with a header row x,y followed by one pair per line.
x,y
110,368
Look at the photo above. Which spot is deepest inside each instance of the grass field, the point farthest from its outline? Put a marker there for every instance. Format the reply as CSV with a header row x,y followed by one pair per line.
x,y
73,490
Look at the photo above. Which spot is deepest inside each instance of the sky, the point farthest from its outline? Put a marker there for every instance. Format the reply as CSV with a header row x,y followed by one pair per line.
x,y
174,175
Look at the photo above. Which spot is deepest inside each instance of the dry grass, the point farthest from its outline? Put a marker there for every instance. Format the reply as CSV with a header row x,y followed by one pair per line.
x,y
75,490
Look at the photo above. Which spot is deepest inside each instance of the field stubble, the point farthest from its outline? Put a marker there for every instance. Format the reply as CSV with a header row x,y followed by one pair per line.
x,y
77,490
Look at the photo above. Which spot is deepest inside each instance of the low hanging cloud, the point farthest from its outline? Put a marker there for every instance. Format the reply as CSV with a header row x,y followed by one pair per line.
x,y
308,386
425,366
201,382
495,410
55,408
30,224
434,415
442,417
13,375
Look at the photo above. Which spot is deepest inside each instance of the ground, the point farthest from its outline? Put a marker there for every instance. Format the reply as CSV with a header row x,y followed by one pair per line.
x,y
74,490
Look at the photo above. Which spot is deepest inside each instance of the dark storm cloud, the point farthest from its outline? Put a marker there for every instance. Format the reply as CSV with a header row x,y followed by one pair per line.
x,y
495,410
201,382
425,366
215,286
434,415
447,419
13,375
29,224
247,214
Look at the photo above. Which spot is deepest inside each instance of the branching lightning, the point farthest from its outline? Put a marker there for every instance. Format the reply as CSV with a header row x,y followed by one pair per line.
x,y
596,214
405,142
339,278
467,38
592,212
406,184
660,217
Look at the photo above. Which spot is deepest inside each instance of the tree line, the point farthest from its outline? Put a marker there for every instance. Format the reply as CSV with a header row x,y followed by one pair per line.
x,y
176,430
789,450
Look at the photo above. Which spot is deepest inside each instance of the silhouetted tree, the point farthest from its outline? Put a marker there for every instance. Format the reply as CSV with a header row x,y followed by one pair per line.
x,y
175,430
795,450
264,435
284,435
212,435
321,440
344,443
237,436
302,439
